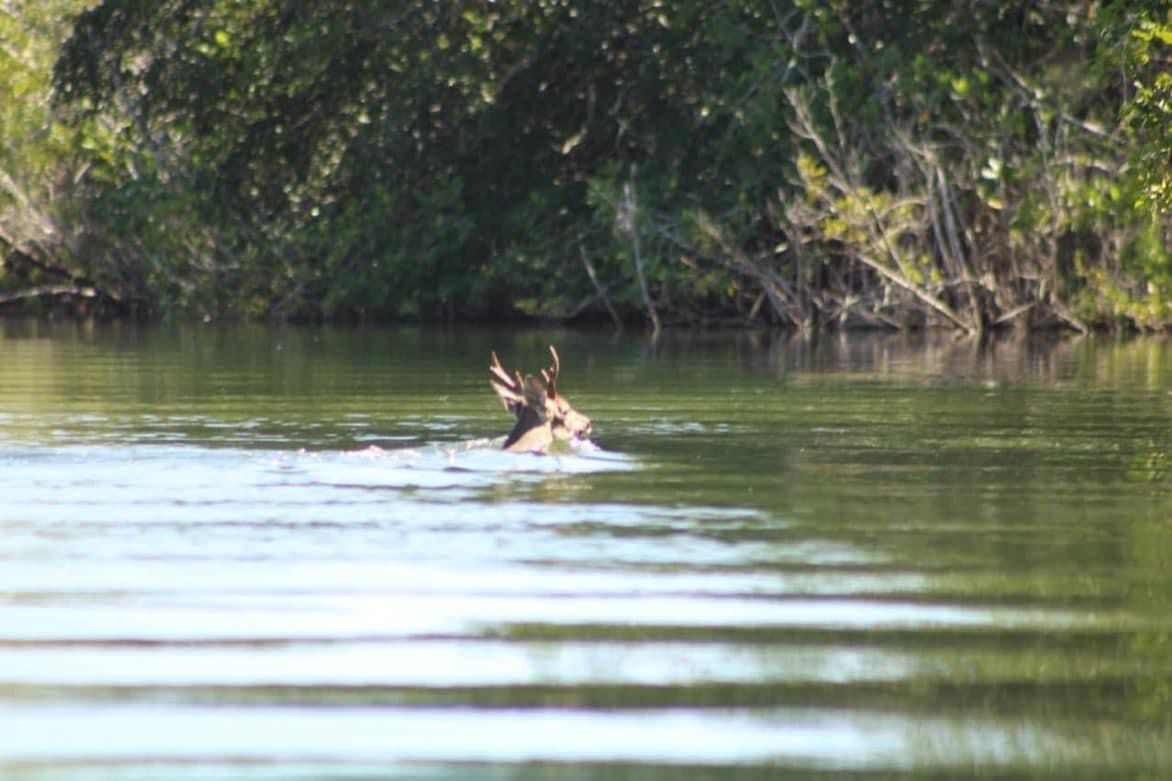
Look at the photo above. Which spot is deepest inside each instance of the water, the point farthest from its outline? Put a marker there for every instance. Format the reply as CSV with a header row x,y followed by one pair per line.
x,y
240,552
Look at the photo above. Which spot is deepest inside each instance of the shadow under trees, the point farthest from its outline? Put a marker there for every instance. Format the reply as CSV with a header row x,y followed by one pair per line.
x,y
789,163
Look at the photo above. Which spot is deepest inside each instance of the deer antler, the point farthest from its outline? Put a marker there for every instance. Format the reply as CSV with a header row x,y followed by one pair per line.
x,y
510,391
542,416
551,374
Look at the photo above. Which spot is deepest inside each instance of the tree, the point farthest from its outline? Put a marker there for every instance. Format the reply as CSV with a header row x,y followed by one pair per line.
x,y
802,163
41,240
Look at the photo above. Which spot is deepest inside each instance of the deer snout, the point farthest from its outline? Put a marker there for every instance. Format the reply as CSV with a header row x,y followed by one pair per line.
x,y
579,425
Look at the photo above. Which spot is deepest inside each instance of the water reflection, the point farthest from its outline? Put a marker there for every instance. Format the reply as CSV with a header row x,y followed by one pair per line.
x,y
294,554
843,741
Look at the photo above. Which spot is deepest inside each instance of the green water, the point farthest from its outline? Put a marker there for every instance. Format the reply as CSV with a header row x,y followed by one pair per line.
x,y
241,552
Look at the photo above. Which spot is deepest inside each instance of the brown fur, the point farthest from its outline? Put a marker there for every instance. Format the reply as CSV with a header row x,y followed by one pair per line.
x,y
543,415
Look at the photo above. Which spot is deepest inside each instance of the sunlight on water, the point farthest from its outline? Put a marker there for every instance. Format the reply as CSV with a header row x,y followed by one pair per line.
x,y
760,567
824,740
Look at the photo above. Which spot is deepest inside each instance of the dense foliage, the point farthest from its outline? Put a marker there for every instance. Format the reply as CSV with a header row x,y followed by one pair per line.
x,y
801,163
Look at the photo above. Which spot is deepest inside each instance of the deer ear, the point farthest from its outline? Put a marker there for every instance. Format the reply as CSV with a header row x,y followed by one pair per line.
x,y
535,394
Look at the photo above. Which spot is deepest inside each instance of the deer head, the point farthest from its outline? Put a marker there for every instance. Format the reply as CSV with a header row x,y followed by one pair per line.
x,y
543,415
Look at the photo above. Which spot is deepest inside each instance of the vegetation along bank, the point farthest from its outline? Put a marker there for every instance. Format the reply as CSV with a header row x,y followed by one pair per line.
x,y
797,163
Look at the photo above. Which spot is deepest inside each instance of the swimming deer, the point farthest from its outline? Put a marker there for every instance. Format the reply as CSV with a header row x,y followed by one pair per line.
x,y
543,415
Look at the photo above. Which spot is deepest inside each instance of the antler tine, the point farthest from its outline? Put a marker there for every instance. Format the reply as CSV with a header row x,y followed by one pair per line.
x,y
550,375
509,389
500,375
557,364
497,368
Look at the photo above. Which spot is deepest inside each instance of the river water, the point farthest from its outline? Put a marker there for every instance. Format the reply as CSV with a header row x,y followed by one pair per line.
x,y
264,553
